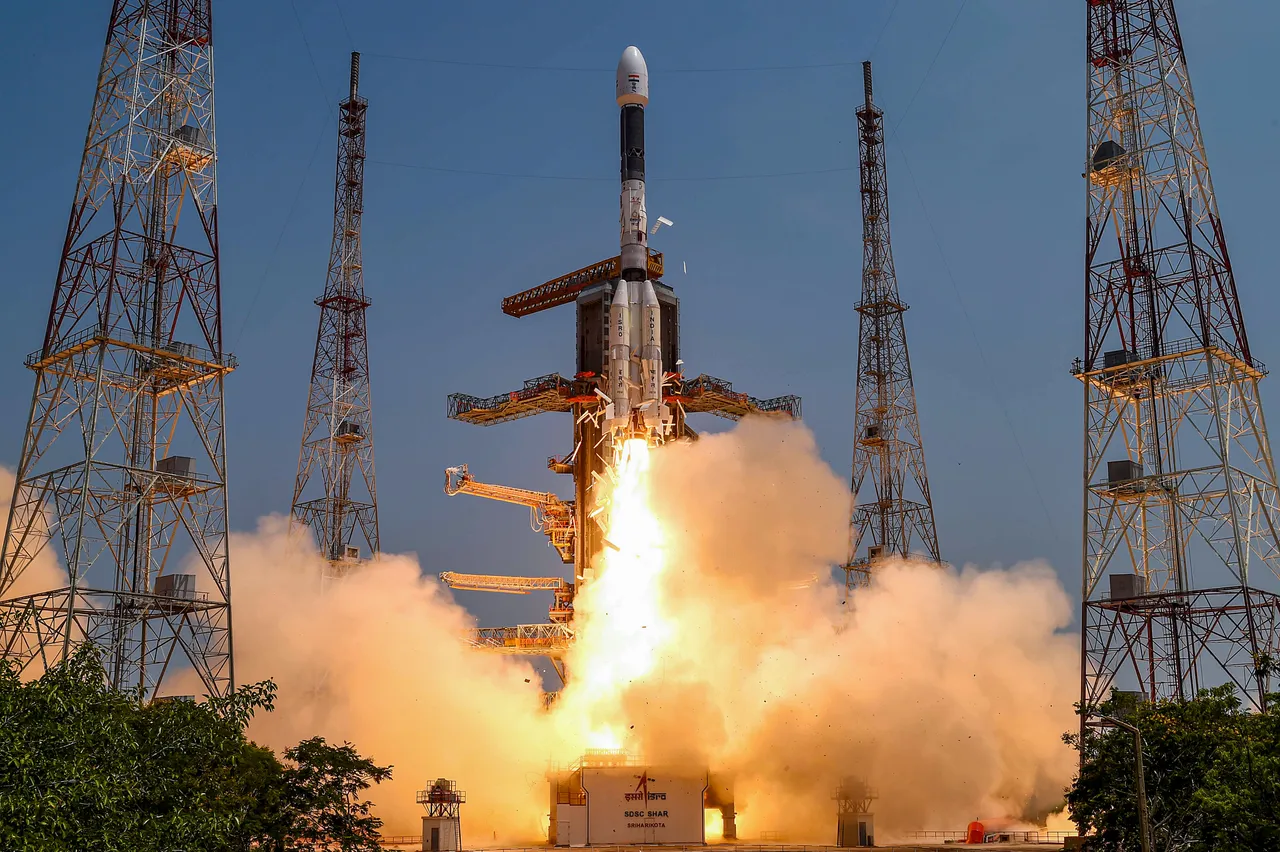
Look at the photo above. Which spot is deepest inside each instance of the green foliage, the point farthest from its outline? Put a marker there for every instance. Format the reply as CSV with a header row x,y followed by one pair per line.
x,y
325,787
258,787
86,767
1212,777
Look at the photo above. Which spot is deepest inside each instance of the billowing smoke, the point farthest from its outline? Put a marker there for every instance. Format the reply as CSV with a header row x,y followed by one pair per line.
x,y
42,573
378,660
947,691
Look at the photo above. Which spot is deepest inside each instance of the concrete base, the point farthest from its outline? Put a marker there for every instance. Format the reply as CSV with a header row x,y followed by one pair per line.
x,y
441,834
856,830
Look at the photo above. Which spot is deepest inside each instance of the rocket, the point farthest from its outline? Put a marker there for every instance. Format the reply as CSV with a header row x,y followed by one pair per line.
x,y
635,319
633,96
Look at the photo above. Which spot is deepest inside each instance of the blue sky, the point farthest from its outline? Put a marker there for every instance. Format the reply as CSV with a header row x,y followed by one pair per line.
x,y
985,99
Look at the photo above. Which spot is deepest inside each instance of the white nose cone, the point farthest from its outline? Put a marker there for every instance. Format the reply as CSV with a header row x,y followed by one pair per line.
x,y
633,78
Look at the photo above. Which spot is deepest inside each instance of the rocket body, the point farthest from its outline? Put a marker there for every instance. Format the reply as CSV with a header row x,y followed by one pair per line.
x,y
633,95
635,318
620,349
650,345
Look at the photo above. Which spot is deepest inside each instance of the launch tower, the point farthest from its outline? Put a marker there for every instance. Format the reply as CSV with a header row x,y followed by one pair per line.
x,y
611,374
1180,512
122,476
341,509
892,513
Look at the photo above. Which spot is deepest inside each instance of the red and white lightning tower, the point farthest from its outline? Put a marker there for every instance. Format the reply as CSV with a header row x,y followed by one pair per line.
x,y
892,513
1180,506
122,475
341,509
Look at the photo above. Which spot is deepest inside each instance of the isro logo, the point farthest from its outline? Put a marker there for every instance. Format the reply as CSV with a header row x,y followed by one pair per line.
x,y
643,795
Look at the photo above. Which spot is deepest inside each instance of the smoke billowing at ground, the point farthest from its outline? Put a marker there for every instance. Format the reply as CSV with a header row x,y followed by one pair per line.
x,y
947,691
725,644
379,661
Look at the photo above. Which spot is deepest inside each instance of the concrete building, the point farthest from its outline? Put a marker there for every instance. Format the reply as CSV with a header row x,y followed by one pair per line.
x,y
609,798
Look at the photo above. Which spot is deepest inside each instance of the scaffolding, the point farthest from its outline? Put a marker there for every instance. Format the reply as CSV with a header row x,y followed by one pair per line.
x,y
893,508
1181,506
548,513
554,393
129,373
565,289
562,590
534,640
335,491
442,799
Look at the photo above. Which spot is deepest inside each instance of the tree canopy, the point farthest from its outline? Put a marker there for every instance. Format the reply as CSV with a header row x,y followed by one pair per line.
x,y
324,789
86,767
1212,776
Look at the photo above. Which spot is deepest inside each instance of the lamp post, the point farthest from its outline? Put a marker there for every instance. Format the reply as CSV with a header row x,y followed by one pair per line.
x,y
1144,823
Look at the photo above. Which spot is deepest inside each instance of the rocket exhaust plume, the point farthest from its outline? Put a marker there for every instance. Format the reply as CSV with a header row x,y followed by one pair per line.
x,y
622,611
703,640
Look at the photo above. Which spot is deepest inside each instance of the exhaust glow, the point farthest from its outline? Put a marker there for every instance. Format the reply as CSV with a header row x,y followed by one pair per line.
x,y
625,624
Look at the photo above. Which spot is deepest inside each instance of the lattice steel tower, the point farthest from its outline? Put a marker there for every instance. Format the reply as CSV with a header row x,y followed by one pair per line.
x,y
1180,502
892,513
337,437
123,463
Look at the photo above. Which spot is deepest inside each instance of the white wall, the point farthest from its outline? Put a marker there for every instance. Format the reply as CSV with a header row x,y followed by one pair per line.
x,y
618,811
449,831
570,825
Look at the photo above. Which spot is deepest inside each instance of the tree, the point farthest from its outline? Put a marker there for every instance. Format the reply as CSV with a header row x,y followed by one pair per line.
x,y
259,784
1212,776
324,793
86,767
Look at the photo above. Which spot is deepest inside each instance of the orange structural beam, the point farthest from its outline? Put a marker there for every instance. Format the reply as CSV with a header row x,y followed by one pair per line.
x,y
563,290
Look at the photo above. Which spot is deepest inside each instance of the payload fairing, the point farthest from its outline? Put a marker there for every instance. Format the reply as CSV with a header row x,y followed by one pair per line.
x,y
635,372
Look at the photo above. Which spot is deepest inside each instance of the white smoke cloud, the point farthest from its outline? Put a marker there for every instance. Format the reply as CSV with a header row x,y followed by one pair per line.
x,y
378,660
946,690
